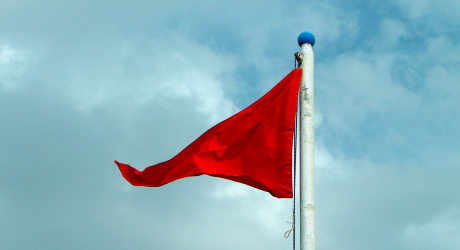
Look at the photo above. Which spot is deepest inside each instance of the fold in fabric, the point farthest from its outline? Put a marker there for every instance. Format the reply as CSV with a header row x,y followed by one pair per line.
x,y
253,147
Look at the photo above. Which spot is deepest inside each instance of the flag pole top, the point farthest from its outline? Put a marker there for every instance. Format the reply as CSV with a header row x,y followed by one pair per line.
x,y
306,37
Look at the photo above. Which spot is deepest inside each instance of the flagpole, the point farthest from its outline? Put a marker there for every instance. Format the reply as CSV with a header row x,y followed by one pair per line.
x,y
306,41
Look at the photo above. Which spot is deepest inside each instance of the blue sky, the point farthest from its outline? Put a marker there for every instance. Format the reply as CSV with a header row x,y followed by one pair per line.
x,y
85,83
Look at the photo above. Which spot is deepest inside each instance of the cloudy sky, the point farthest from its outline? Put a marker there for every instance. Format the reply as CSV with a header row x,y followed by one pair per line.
x,y
84,83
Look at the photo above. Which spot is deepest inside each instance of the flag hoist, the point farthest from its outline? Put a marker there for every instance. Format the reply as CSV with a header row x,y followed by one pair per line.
x,y
306,41
254,146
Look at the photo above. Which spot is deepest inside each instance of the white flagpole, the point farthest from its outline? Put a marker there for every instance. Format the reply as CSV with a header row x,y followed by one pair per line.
x,y
306,41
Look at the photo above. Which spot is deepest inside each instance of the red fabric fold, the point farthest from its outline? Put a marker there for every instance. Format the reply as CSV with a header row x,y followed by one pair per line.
x,y
253,147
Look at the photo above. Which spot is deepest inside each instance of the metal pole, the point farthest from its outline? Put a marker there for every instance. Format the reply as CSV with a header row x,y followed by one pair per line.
x,y
307,140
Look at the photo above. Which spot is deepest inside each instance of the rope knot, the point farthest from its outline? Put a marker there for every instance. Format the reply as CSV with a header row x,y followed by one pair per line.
x,y
288,232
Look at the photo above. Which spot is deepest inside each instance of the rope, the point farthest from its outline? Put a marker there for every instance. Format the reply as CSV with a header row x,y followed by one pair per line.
x,y
297,64
295,176
287,233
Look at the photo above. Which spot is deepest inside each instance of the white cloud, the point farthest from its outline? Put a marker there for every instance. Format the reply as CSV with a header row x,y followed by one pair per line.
x,y
133,73
433,9
230,190
12,66
439,232
326,20
390,33
140,80
253,205
358,85
331,166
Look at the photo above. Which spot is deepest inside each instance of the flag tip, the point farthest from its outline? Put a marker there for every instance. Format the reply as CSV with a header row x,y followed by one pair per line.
x,y
306,37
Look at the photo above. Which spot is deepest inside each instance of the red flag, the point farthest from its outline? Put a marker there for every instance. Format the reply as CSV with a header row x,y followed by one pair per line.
x,y
253,147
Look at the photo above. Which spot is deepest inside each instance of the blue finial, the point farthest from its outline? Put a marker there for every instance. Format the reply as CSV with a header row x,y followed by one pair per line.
x,y
306,37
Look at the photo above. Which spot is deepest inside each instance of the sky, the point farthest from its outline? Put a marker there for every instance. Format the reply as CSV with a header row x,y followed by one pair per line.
x,y
84,83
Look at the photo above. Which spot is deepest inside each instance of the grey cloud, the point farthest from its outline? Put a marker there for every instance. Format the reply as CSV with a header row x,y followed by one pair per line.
x,y
92,82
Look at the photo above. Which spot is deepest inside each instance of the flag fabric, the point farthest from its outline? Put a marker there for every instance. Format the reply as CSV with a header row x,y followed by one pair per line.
x,y
253,147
